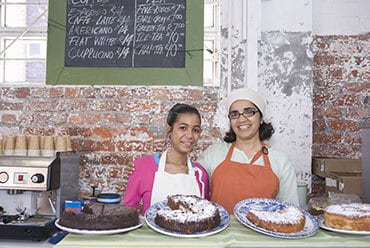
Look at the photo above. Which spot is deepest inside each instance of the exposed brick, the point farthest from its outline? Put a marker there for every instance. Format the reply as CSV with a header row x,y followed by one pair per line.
x,y
7,92
87,92
332,112
77,105
323,60
44,105
105,132
9,118
344,100
39,92
76,118
94,118
123,93
15,106
109,93
22,92
356,87
56,92
135,145
319,99
140,105
161,94
318,125
91,145
195,94
117,159
72,92
105,105
327,138
343,125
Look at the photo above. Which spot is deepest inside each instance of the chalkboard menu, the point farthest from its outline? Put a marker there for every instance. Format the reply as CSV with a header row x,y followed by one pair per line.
x,y
71,23
125,33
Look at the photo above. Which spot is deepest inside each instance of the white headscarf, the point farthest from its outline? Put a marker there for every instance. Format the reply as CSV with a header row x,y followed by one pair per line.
x,y
223,107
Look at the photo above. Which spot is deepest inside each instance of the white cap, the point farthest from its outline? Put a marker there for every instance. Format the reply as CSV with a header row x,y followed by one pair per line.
x,y
223,108
246,94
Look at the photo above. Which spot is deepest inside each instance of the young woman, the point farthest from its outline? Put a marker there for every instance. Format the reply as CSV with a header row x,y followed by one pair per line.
x,y
244,166
172,172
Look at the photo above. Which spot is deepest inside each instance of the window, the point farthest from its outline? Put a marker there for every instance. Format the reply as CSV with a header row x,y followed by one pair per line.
x,y
211,50
23,35
23,41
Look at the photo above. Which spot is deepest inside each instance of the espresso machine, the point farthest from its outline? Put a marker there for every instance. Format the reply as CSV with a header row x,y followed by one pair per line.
x,y
32,193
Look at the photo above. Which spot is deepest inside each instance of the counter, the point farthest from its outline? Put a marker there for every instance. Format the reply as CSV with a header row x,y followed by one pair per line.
x,y
236,235
4,243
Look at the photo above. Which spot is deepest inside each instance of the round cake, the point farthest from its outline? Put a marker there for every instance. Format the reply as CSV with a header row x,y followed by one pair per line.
x,y
98,216
188,214
352,216
288,220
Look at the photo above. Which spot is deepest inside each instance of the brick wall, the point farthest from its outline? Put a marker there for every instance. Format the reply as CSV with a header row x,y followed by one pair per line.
x,y
109,126
341,96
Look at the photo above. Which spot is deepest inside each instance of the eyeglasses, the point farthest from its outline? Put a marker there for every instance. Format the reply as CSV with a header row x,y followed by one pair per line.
x,y
247,112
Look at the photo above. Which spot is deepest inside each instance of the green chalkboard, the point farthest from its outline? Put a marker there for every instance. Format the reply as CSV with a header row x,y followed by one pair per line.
x,y
78,54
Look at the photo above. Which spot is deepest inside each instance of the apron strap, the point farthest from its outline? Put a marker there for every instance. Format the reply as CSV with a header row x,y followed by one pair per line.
x,y
264,151
200,173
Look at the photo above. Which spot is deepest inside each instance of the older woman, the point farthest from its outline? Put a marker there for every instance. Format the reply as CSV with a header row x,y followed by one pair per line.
x,y
244,166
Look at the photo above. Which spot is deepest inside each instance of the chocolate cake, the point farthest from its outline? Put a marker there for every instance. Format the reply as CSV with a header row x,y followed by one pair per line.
x,y
188,214
97,216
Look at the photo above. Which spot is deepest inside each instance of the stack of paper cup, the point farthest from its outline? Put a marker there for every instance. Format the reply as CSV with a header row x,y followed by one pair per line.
x,y
20,148
60,144
9,144
1,146
34,146
47,146
68,142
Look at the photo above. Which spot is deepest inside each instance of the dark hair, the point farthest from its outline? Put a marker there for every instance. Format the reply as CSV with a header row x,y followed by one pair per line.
x,y
265,132
180,108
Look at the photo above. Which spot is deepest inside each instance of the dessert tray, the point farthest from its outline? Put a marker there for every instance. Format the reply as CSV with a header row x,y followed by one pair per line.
x,y
152,211
323,226
241,209
98,232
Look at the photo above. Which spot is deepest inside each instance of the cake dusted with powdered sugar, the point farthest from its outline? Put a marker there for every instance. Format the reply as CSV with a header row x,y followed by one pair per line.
x,y
188,214
288,220
352,216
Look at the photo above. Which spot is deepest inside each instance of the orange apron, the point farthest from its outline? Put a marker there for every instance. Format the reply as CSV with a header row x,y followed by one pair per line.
x,y
232,181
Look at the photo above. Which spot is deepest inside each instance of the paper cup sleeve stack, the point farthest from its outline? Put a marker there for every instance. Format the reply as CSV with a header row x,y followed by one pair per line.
x,y
46,146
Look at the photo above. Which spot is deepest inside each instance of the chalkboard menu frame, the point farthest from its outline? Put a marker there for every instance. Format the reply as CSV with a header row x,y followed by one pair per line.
x,y
59,74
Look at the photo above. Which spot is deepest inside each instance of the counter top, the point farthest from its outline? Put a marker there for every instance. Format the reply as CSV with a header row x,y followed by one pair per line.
x,y
235,235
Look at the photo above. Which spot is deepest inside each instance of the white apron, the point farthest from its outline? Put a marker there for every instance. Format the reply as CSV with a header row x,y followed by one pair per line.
x,y
170,184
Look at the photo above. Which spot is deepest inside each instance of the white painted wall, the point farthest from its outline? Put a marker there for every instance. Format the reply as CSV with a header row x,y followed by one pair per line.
x,y
341,17
286,15
322,17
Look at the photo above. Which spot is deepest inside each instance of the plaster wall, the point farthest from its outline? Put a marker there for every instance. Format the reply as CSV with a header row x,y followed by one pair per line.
x,y
284,70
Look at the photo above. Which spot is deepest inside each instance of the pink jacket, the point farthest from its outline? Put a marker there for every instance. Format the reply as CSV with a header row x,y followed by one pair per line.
x,y
140,182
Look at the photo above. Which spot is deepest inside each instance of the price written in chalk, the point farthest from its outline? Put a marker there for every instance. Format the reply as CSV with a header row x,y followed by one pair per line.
x,y
130,33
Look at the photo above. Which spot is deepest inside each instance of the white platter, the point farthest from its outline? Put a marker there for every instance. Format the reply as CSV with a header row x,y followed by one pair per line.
x,y
98,232
241,209
152,212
